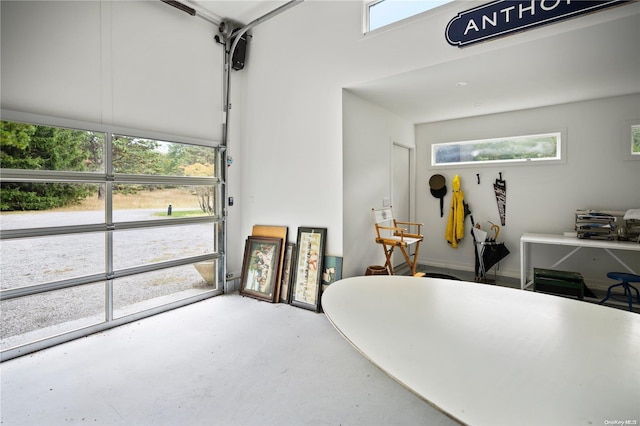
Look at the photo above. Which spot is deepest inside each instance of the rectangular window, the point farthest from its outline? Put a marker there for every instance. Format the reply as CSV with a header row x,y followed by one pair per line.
x,y
66,204
97,226
140,292
630,140
542,147
140,202
141,156
30,261
31,318
29,146
381,13
137,247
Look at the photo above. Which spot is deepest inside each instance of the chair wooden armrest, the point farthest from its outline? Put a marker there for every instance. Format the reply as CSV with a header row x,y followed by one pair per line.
x,y
391,228
410,224
418,236
397,232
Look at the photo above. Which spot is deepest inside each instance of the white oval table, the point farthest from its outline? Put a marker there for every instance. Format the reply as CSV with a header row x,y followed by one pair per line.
x,y
488,355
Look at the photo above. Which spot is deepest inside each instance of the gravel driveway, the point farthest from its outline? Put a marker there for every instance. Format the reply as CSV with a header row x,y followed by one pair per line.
x,y
36,260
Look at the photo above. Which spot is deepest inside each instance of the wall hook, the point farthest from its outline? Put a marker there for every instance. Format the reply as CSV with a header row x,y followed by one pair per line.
x,y
478,176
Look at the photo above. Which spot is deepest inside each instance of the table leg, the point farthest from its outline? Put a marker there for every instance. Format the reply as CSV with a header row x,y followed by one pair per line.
x,y
566,257
620,261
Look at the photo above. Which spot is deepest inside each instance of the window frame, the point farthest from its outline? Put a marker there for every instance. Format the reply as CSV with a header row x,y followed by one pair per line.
x,y
559,159
626,146
366,16
108,227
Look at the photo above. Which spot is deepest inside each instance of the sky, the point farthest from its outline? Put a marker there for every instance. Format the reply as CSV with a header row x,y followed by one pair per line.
x,y
390,11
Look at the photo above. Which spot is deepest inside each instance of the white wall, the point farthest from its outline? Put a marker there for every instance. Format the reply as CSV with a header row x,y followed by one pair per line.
x,y
540,198
303,159
293,160
368,134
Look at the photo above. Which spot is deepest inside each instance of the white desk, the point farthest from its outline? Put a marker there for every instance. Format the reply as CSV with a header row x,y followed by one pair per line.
x,y
488,355
529,239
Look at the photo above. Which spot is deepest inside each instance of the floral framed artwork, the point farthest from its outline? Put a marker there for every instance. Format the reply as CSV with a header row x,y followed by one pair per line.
x,y
274,231
260,268
305,291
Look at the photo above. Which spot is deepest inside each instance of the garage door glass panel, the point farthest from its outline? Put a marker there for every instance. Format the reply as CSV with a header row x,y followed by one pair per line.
x,y
53,258
141,156
40,205
35,147
154,245
139,292
30,318
136,202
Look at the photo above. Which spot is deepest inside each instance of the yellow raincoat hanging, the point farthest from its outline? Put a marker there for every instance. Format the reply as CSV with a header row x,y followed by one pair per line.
x,y
455,223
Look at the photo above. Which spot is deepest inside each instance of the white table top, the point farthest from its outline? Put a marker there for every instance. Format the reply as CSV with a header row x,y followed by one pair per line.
x,y
489,355
575,241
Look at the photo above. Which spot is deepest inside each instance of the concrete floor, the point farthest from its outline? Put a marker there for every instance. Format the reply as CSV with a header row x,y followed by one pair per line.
x,y
229,360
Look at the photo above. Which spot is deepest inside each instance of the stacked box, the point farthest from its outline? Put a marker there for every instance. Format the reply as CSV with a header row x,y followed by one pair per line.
x,y
598,224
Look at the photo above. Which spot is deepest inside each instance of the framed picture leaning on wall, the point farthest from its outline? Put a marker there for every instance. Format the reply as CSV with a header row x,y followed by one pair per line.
x,y
274,231
305,291
260,268
287,272
331,270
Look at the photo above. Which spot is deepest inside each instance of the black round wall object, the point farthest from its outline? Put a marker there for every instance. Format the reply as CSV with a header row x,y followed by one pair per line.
x,y
438,188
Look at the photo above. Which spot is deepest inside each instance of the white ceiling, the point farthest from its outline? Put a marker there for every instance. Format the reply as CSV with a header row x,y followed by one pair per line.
x,y
242,11
587,63
593,62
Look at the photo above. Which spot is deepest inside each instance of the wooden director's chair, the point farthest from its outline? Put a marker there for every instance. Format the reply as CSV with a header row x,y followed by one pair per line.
x,y
391,236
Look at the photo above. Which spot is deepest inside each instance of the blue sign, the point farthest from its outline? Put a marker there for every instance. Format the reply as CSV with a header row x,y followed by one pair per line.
x,y
502,17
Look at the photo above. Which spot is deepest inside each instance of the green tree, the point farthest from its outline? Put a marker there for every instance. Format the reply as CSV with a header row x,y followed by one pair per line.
x,y
205,194
180,156
33,147
16,138
136,156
